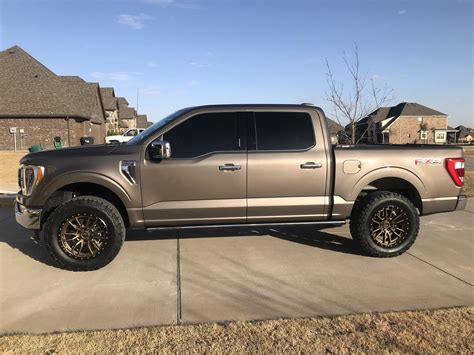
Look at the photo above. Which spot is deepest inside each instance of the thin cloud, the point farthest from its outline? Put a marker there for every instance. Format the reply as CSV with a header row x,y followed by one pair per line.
x,y
151,64
150,91
135,22
114,76
401,12
199,65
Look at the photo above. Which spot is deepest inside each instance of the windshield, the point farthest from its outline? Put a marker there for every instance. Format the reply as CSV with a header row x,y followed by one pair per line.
x,y
155,127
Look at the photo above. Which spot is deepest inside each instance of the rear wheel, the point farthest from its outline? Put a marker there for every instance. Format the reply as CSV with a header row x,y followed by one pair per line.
x,y
85,233
384,224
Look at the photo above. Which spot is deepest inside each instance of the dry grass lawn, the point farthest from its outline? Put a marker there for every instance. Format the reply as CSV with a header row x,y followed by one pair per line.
x,y
468,187
9,162
438,331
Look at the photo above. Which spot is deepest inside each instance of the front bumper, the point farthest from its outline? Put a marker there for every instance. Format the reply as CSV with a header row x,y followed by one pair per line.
x,y
462,201
28,217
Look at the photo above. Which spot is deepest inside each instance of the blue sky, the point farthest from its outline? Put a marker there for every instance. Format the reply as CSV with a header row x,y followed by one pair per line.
x,y
189,52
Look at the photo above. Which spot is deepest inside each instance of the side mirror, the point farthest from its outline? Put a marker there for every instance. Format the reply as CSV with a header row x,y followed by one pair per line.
x,y
160,149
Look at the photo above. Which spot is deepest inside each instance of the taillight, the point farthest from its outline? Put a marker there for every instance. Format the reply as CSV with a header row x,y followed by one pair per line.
x,y
455,167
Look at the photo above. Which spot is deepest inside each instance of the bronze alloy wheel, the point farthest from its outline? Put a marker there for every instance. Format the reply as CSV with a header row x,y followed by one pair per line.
x,y
389,226
83,236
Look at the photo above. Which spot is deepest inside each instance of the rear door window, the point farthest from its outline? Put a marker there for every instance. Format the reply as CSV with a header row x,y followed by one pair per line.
x,y
283,131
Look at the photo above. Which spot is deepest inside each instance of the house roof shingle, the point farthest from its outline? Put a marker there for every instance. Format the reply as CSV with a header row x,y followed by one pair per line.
x,y
403,109
123,124
122,101
464,131
29,89
333,126
109,99
126,113
142,121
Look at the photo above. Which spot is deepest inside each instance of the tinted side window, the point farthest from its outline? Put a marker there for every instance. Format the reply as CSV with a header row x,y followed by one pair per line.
x,y
283,130
205,133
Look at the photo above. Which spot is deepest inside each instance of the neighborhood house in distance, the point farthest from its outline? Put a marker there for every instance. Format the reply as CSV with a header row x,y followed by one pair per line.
x,y
409,123
36,105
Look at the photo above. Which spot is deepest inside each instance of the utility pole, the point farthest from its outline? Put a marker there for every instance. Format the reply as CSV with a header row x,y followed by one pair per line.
x,y
138,93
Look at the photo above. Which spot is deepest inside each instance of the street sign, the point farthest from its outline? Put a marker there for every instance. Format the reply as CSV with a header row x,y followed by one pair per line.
x,y
12,130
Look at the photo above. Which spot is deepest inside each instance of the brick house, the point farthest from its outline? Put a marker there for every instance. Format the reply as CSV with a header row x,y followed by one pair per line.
x,y
111,109
127,117
42,105
465,134
405,123
142,121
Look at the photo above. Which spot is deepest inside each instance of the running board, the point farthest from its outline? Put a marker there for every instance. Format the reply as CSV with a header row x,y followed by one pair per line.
x,y
279,224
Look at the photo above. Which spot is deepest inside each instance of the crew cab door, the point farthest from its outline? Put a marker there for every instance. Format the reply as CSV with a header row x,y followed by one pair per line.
x,y
204,181
287,167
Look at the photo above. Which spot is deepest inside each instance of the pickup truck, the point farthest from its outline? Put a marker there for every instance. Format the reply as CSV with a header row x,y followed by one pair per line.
x,y
233,165
125,137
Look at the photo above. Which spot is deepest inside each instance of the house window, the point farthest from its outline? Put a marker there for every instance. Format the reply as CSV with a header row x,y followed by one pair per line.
x,y
440,136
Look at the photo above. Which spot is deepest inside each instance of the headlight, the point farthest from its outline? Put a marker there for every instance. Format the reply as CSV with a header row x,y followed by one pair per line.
x,y
29,176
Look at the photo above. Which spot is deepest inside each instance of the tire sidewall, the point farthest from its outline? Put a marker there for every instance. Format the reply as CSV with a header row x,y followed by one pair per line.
x,y
412,219
51,236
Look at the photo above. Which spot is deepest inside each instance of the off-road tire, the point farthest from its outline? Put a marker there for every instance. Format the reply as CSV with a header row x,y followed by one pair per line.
x,y
90,205
364,211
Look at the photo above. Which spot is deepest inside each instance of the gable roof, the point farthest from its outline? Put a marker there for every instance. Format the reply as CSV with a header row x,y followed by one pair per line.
x,y
402,109
109,99
333,126
123,124
29,89
142,121
70,78
464,131
122,101
126,113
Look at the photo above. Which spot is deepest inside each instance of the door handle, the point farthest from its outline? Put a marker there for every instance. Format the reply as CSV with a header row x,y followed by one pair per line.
x,y
229,167
311,165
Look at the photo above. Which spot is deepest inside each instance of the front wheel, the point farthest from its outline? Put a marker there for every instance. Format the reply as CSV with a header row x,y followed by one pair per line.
x,y
384,224
85,233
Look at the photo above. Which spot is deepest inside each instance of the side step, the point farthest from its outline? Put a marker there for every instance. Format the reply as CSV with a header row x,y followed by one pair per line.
x,y
278,224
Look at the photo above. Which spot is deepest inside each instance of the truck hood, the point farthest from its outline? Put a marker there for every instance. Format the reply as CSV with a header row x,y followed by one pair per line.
x,y
81,151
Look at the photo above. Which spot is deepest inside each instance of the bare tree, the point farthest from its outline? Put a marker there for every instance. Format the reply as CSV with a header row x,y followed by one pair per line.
x,y
359,100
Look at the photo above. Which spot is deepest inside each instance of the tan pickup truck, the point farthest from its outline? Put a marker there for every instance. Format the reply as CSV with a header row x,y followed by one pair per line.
x,y
233,165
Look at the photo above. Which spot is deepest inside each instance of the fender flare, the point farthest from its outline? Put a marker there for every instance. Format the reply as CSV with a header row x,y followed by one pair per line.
x,y
87,177
388,172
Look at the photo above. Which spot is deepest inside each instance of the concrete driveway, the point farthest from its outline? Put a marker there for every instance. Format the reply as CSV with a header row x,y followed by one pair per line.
x,y
469,163
203,276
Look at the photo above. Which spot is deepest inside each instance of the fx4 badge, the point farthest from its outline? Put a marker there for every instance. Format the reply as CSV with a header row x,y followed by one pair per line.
x,y
422,161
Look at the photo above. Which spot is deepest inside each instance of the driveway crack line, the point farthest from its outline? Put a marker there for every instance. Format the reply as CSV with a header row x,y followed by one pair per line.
x,y
438,268
178,281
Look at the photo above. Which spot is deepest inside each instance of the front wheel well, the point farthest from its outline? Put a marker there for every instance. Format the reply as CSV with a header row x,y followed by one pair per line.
x,y
68,192
396,185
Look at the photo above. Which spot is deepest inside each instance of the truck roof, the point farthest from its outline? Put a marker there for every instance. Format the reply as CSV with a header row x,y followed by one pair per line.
x,y
250,106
